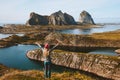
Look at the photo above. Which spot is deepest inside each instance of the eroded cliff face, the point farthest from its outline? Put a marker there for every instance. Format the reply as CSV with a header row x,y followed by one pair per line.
x,y
60,18
36,19
101,65
86,18
57,18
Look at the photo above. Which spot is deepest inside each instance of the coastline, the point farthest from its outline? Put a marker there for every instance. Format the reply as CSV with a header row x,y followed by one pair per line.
x,y
43,33
16,29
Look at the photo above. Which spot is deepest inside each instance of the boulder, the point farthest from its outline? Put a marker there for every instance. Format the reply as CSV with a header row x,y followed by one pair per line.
x,y
36,19
59,18
86,18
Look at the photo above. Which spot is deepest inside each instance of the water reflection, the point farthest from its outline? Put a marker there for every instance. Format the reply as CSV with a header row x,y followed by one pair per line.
x,y
85,31
101,29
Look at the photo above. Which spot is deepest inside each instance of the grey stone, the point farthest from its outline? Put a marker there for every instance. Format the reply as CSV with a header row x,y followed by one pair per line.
x,y
86,18
57,18
101,65
60,18
36,19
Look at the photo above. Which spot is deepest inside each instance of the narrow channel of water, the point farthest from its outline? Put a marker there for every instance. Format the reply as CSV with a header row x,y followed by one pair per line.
x,y
105,28
15,57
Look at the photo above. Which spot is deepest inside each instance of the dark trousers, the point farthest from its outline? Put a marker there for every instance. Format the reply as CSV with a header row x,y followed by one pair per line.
x,y
47,69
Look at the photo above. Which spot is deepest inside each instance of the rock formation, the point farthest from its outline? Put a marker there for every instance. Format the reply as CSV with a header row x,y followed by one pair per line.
x,y
36,19
1,27
118,52
86,18
69,19
57,18
101,65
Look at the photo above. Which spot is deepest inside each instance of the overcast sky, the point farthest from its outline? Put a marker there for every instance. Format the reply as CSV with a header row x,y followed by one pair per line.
x,y
12,11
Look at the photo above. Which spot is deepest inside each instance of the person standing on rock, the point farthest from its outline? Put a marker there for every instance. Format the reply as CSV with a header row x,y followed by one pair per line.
x,y
46,58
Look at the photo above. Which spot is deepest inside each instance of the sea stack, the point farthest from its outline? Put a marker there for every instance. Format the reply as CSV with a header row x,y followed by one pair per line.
x,y
59,18
36,19
86,18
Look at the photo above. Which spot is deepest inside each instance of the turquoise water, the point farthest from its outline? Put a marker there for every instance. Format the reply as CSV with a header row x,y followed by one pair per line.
x,y
105,28
15,57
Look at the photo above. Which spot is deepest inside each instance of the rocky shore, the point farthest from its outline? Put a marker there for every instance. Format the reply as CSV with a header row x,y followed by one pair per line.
x,y
101,65
104,66
24,29
109,40
56,21
40,28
